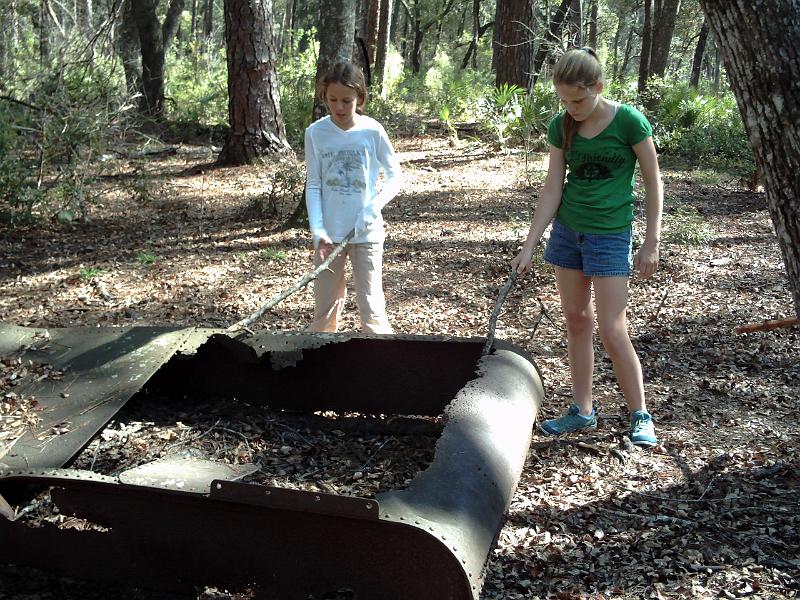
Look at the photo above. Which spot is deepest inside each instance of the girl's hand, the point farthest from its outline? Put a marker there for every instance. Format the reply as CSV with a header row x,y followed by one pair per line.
x,y
521,263
324,249
646,261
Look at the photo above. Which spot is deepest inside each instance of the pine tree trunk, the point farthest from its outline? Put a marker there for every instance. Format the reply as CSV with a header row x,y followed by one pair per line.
x,y
337,24
254,109
154,39
513,51
592,37
127,46
382,48
699,51
476,31
663,29
208,19
575,21
553,36
647,41
758,44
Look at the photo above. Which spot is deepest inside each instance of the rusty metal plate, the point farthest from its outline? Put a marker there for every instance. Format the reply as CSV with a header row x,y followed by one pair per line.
x,y
103,368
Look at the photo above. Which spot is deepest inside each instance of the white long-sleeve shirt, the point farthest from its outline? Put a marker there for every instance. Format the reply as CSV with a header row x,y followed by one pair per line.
x,y
343,169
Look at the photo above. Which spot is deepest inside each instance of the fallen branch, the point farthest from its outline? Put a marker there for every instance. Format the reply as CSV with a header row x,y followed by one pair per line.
x,y
301,283
767,325
496,312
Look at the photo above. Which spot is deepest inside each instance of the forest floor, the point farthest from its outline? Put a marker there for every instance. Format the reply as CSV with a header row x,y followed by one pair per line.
x,y
710,512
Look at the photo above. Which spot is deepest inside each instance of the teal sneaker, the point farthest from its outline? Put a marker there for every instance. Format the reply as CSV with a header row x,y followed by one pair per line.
x,y
572,421
643,433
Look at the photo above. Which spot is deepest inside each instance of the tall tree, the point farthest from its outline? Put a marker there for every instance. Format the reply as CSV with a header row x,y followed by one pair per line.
x,y
337,23
647,43
254,109
699,51
128,48
513,51
208,18
154,40
758,44
551,40
575,23
591,36
382,47
287,27
664,17
421,23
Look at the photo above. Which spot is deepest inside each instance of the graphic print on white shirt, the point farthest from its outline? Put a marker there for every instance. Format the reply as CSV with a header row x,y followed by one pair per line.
x,y
343,169
345,172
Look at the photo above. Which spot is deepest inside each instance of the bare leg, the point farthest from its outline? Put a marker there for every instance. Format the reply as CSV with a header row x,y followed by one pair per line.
x,y
611,299
576,303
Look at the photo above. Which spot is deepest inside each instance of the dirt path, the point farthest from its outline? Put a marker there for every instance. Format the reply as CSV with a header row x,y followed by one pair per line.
x,y
710,512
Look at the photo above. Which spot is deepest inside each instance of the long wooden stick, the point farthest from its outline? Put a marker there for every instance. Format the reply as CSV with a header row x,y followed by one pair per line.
x,y
496,313
767,325
301,283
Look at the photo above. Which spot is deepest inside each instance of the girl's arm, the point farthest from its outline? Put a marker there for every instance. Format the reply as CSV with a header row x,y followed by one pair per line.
x,y
549,201
646,261
392,182
314,194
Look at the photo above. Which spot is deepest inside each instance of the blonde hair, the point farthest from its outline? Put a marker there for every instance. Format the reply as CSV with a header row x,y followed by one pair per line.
x,y
348,75
579,67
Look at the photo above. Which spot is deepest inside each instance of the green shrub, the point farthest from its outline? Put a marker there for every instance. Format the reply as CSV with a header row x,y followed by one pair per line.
x,y
196,84
685,226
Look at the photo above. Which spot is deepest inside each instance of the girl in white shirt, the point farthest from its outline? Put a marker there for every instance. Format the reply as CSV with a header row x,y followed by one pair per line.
x,y
345,153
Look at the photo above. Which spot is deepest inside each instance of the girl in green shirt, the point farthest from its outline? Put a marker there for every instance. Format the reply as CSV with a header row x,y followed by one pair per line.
x,y
588,195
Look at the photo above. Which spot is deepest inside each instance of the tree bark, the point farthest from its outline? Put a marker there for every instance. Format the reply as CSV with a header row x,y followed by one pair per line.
x,y
208,18
575,21
337,24
373,20
382,48
758,44
553,37
699,51
591,40
420,28
663,28
127,45
476,31
154,41
647,41
286,28
254,110
513,52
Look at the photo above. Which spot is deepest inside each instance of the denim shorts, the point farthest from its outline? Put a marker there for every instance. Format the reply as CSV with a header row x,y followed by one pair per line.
x,y
596,254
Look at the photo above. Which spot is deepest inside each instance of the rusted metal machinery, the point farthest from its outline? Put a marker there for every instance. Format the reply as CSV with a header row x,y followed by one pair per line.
x,y
430,540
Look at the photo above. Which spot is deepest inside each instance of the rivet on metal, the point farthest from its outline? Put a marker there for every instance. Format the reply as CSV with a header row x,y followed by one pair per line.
x,y
369,505
219,486
317,498
267,492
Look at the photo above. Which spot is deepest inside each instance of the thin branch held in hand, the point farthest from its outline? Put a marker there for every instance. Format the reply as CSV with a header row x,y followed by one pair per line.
x,y
301,283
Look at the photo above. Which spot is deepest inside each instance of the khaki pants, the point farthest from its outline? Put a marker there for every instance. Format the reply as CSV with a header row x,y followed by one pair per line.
x,y
330,289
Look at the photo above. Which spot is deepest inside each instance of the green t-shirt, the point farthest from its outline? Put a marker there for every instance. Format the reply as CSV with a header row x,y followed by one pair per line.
x,y
598,193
